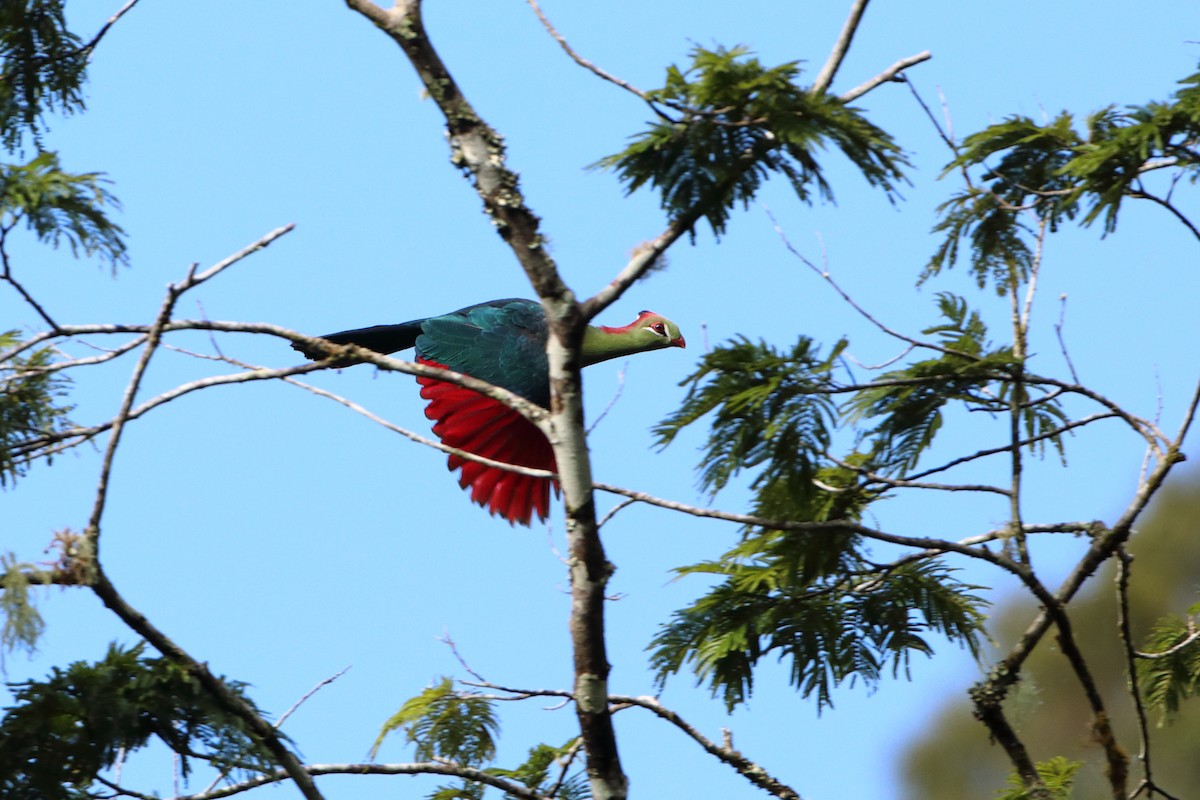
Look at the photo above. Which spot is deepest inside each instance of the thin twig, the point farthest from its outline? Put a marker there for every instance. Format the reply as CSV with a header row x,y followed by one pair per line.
x,y
892,73
580,60
1125,633
451,769
90,47
825,275
304,698
108,593
613,401
837,526
628,501
946,137
726,754
7,276
1179,215
565,766
901,483
1062,344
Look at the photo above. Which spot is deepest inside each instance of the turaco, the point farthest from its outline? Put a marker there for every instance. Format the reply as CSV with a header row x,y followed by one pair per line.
x,y
502,342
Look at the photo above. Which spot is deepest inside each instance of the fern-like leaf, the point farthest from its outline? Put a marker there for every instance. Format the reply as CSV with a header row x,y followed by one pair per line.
x,y
727,123
445,724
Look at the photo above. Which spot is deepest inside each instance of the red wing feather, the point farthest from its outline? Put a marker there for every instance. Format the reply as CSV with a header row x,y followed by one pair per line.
x,y
468,421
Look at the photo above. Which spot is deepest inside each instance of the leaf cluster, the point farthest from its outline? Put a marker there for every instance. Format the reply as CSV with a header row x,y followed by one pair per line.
x,y
727,122
30,404
990,216
810,595
43,67
1035,175
1171,672
443,723
542,770
59,207
23,623
1057,774
461,728
62,732
834,622
901,411
770,409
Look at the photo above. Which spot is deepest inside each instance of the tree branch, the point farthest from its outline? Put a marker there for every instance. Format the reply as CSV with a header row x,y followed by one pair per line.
x,y
108,593
479,150
475,146
892,73
104,29
580,60
724,753
989,693
840,48
418,768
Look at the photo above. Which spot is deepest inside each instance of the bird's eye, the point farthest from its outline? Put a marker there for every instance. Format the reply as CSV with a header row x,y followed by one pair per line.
x,y
659,328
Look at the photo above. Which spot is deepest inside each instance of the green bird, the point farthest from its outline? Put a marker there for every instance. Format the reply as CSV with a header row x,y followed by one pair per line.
x,y
502,342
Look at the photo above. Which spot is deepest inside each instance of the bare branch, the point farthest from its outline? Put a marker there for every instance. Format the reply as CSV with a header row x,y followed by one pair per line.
x,y
304,698
892,73
946,136
645,258
479,150
991,451
1175,212
825,275
108,593
1062,344
422,440
11,280
723,752
899,483
419,768
989,693
475,147
1125,633
840,48
90,47
580,60
829,526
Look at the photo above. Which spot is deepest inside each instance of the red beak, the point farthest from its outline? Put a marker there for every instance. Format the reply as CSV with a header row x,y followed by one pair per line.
x,y
678,342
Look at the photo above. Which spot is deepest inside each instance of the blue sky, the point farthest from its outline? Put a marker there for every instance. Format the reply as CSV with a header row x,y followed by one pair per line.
x,y
281,538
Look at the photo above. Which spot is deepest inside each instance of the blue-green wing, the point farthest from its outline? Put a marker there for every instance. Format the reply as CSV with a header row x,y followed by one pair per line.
x,y
502,342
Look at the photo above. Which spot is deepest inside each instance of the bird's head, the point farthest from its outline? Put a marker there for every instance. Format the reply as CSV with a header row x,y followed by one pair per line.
x,y
649,331
660,331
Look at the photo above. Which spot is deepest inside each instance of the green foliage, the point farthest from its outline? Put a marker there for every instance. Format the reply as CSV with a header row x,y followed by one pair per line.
x,y
1122,147
460,728
906,405
44,67
1038,175
29,404
1058,774
774,411
770,411
1171,671
1028,177
23,623
543,772
445,724
812,597
836,621
60,206
62,732
727,122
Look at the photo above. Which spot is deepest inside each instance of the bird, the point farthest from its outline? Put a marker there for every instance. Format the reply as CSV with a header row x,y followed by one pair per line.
x,y
502,342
